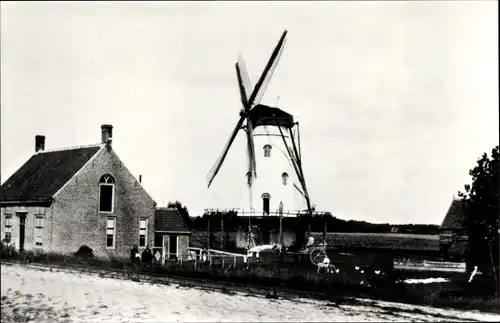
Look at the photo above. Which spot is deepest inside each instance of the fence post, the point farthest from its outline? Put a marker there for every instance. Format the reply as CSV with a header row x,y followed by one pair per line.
x,y
234,263
324,229
209,231
222,232
281,223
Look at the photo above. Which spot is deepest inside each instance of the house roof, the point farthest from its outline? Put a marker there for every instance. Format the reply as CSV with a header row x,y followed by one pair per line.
x,y
454,217
44,174
170,220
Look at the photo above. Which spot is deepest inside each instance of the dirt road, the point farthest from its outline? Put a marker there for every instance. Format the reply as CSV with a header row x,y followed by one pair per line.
x,y
30,294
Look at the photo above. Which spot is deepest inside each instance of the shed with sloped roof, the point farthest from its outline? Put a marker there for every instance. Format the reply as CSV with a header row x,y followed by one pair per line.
x,y
453,232
171,234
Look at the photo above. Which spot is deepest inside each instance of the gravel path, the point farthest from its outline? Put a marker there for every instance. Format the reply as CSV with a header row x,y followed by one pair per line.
x,y
36,295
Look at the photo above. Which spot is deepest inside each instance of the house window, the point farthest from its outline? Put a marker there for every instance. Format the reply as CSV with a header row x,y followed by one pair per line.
x,y
266,198
110,233
8,228
284,178
143,232
267,151
106,193
38,231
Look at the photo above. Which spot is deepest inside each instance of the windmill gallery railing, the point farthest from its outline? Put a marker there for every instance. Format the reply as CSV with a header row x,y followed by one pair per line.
x,y
271,213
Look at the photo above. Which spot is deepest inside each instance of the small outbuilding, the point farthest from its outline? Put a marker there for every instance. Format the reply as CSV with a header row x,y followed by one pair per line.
x,y
453,236
172,235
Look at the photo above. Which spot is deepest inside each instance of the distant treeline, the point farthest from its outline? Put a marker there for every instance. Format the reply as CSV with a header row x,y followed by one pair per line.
x,y
231,222
339,225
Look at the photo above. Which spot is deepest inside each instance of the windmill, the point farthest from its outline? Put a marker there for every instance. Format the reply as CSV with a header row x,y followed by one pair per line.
x,y
254,116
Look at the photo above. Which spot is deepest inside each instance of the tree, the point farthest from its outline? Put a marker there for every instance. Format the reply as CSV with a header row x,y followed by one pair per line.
x,y
480,204
183,211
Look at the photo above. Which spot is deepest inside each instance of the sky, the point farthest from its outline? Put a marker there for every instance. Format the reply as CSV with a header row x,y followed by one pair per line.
x,y
396,100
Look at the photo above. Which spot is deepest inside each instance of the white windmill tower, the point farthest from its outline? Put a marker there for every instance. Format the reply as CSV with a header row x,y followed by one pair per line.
x,y
273,143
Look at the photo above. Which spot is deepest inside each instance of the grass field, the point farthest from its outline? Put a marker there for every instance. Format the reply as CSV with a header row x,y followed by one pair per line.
x,y
381,240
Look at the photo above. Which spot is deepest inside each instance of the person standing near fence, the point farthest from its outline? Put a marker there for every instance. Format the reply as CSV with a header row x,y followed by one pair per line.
x,y
309,239
147,256
134,255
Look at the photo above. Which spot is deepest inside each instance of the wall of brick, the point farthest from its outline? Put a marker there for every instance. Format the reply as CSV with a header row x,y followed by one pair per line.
x,y
31,213
77,220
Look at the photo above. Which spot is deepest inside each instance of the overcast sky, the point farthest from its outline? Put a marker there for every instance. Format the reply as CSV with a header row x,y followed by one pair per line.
x,y
397,100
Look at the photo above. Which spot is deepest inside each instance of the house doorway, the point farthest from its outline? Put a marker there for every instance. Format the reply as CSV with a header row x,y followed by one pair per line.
x,y
170,250
266,237
22,230
173,246
266,199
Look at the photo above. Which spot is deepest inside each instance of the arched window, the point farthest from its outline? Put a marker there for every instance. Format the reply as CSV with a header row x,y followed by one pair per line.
x,y
267,151
106,194
266,199
284,178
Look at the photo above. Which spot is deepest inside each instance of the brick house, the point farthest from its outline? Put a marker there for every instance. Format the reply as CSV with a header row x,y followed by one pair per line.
x,y
64,198
453,237
171,234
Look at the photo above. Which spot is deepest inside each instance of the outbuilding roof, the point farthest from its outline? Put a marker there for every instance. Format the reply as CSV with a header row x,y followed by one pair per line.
x,y
170,220
454,217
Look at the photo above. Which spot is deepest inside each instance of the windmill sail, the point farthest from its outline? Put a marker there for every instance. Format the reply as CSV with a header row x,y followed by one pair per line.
x,y
268,76
251,149
247,98
241,86
296,162
298,189
245,80
267,70
240,73
215,169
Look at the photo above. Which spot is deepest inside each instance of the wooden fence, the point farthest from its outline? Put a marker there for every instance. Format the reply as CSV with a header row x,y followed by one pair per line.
x,y
212,255
426,265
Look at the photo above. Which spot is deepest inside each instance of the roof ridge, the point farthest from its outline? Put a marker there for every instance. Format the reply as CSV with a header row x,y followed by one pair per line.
x,y
68,148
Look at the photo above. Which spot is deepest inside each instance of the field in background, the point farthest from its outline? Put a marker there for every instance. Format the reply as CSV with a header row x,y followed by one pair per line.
x,y
396,245
381,240
348,240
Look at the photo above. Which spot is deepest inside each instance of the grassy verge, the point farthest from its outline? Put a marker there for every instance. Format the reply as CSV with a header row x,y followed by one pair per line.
x,y
457,293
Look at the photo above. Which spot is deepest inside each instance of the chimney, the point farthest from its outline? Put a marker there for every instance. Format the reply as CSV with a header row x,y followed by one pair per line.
x,y
107,133
140,178
39,143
